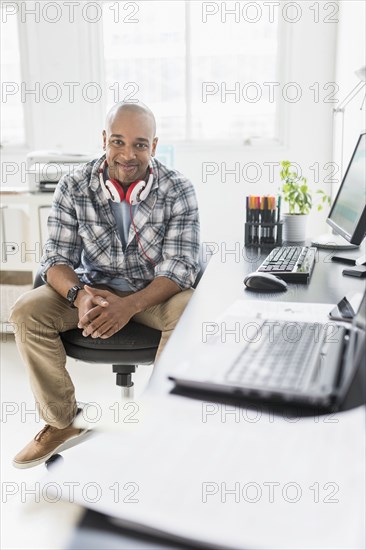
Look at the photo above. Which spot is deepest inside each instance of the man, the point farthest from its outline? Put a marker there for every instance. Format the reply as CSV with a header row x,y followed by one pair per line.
x,y
123,244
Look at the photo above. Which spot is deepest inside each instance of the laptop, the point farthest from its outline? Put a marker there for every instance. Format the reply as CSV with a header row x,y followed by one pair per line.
x,y
278,358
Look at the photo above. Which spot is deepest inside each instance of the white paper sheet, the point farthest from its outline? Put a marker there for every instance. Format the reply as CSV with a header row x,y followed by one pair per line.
x,y
234,478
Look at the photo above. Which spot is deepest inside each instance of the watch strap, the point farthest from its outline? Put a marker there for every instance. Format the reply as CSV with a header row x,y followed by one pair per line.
x,y
72,294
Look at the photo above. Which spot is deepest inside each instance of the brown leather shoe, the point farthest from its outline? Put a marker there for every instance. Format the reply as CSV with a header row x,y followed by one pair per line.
x,y
47,442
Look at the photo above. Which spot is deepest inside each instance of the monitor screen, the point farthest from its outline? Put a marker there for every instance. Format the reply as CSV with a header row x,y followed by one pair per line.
x,y
348,212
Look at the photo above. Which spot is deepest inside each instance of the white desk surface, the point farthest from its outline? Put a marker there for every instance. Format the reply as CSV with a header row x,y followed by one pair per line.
x,y
46,525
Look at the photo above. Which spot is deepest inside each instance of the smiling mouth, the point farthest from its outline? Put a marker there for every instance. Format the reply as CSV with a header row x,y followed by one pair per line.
x,y
126,167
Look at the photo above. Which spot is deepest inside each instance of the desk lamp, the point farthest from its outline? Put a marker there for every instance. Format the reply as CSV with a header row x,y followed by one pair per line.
x,y
335,241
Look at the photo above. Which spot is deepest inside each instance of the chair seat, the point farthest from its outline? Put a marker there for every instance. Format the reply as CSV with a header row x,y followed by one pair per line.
x,y
133,344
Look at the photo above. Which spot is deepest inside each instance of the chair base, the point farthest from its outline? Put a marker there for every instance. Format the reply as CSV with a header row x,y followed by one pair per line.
x,y
124,375
128,393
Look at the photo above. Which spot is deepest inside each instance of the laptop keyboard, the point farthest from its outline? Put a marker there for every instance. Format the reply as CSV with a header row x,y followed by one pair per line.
x,y
281,357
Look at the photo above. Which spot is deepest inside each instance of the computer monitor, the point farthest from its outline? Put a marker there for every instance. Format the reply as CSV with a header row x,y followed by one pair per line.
x,y
348,212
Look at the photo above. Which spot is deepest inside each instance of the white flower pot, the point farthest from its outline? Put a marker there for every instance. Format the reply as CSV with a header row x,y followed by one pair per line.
x,y
294,227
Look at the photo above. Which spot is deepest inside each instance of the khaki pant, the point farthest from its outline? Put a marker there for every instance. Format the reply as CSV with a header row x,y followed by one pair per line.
x,y
39,316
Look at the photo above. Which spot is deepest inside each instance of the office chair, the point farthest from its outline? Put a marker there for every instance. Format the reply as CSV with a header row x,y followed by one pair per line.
x,y
133,345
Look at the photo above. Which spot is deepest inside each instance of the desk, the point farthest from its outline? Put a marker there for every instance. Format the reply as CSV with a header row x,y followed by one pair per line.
x,y
221,285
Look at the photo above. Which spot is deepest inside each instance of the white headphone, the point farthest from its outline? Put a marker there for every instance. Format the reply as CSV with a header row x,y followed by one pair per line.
x,y
136,192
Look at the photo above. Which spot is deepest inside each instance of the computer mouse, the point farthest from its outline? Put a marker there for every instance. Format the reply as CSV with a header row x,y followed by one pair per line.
x,y
264,281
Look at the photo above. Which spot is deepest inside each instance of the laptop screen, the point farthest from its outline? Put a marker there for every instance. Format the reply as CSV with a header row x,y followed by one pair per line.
x,y
355,354
360,317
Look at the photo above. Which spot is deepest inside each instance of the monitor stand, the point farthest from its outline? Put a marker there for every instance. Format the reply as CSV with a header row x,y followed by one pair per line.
x,y
332,242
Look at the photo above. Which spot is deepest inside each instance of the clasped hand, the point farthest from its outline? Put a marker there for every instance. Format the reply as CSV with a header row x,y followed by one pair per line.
x,y
102,313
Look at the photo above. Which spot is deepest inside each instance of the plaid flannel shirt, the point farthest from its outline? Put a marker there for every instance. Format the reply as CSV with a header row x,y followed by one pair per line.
x,y
82,230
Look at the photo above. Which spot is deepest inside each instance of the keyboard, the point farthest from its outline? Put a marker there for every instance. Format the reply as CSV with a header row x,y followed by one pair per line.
x,y
291,263
281,361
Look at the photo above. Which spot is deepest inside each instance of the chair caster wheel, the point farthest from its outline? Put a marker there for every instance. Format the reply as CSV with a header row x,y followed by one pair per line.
x,y
52,461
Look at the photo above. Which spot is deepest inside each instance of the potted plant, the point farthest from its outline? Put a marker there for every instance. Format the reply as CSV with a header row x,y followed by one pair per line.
x,y
298,196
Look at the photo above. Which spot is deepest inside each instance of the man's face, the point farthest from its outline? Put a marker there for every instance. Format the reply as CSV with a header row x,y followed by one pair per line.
x,y
129,143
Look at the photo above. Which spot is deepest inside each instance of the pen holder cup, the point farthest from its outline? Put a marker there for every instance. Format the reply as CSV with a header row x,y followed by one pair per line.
x,y
266,235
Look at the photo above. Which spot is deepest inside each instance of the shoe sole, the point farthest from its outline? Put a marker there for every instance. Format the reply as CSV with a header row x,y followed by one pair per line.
x,y
71,442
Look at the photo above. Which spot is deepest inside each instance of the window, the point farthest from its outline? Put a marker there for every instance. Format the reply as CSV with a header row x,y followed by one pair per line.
x,y
201,73
12,113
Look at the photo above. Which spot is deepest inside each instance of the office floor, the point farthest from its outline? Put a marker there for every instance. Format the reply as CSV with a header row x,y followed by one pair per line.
x,y
93,383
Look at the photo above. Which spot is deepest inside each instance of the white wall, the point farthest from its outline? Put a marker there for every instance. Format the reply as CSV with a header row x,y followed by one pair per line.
x,y
351,48
65,52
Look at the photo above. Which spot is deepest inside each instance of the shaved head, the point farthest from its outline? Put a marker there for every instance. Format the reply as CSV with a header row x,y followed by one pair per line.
x,y
122,108
129,141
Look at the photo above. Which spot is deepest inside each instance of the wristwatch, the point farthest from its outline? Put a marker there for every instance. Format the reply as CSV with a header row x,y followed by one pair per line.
x,y
72,294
